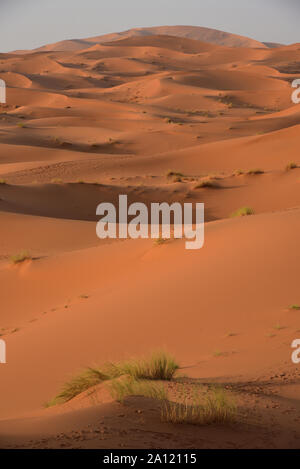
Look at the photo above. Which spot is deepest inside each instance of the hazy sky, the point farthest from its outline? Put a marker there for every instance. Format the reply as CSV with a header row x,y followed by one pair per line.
x,y
25,24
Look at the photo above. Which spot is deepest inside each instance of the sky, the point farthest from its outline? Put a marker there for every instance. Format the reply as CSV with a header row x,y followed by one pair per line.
x,y
26,24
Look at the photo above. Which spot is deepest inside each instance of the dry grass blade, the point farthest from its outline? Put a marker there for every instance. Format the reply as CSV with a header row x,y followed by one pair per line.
x,y
215,408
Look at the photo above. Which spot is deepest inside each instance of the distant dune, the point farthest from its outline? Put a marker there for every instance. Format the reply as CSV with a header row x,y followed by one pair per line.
x,y
190,32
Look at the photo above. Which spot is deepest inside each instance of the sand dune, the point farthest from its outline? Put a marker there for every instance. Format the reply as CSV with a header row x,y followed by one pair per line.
x,y
190,32
93,322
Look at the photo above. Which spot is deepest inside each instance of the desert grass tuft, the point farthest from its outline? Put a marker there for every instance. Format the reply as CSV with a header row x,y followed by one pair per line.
x,y
78,384
158,366
291,165
242,212
238,172
160,241
215,408
21,257
174,174
56,181
129,386
206,183
297,307
255,172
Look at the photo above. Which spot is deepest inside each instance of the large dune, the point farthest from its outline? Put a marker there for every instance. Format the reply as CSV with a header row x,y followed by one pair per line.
x,y
198,33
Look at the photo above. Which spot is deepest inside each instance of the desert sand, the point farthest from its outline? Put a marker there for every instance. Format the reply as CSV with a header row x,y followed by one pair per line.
x,y
90,119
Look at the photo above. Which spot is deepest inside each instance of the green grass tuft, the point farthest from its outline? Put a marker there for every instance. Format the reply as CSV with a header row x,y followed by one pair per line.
x,y
209,182
160,241
174,174
78,384
238,172
159,366
242,212
215,408
290,166
56,181
122,388
218,353
21,257
254,172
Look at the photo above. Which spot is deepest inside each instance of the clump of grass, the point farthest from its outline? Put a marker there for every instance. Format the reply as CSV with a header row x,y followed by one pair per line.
x,y
159,366
226,99
218,353
297,307
160,241
78,384
238,172
174,174
21,125
255,172
278,327
291,165
21,257
56,181
206,183
2,181
215,408
122,388
242,212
